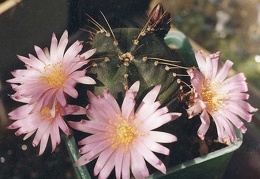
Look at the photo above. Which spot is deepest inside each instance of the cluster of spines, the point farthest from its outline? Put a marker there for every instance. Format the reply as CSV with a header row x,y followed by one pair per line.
x,y
127,57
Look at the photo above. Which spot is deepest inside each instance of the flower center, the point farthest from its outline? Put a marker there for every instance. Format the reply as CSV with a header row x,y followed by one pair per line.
x,y
54,75
213,95
45,113
125,132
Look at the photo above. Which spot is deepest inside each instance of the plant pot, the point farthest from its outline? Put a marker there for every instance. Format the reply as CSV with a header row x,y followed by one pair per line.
x,y
212,165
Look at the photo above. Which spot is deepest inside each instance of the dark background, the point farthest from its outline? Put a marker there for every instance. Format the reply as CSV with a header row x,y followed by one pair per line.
x,y
32,22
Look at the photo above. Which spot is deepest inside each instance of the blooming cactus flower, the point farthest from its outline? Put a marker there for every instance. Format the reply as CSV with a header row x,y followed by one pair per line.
x,y
42,123
220,97
122,137
51,75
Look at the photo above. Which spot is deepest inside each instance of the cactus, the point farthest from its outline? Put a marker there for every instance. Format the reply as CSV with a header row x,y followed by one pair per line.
x,y
126,55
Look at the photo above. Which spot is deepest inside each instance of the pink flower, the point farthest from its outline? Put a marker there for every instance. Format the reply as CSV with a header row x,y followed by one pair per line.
x,y
42,123
220,97
122,137
51,75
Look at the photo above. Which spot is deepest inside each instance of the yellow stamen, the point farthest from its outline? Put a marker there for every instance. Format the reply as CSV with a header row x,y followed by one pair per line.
x,y
124,133
213,95
46,113
54,75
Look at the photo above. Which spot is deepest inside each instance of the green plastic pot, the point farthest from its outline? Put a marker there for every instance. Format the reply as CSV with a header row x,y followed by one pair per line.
x,y
212,165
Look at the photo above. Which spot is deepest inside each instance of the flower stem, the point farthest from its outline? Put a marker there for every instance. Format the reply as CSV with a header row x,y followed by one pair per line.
x,y
80,172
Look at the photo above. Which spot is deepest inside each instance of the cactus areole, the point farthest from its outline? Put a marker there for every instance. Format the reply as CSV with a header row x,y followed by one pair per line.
x,y
126,55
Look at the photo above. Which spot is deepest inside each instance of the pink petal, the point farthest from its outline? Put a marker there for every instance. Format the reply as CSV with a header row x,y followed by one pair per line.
x,y
72,51
205,124
195,109
238,96
32,57
151,96
74,109
126,166
196,79
33,63
61,98
155,147
234,119
157,113
28,124
52,107
119,162
85,80
138,165
220,128
88,147
146,109
92,138
20,112
107,108
106,170
214,58
229,129
222,74
95,114
42,129
101,146
62,124
73,66
44,141
88,53
86,126
150,157
95,151
128,105
62,44
55,135
154,123
102,159
204,117
236,78
112,101
161,137
71,91
41,55
246,106
53,49
202,130
81,161
208,71
215,68
238,110
236,87
200,60
28,135
135,87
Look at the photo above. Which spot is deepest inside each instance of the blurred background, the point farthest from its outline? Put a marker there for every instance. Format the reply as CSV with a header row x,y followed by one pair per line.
x,y
229,26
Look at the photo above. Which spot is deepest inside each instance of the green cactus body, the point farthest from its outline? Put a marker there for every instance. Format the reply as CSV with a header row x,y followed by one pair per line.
x,y
128,59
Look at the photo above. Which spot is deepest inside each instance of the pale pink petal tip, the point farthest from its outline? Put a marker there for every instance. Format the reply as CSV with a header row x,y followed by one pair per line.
x,y
88,53
135,86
